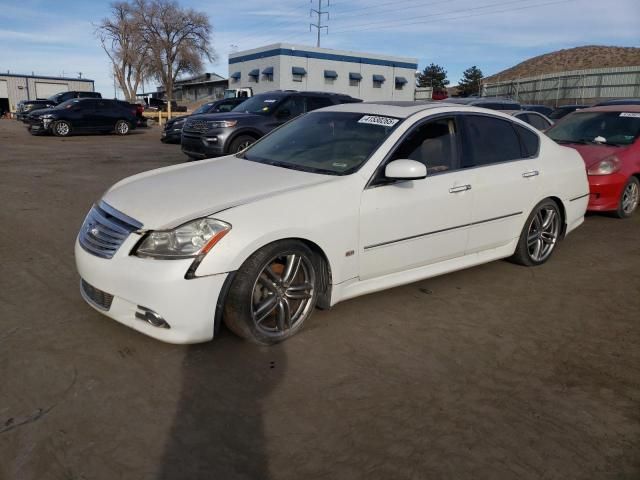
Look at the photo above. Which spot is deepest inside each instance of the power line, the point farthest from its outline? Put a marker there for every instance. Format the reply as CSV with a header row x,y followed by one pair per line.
x,y
372,7
411,21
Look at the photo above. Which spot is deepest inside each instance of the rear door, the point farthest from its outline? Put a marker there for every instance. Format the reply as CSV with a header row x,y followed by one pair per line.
x,y
504,157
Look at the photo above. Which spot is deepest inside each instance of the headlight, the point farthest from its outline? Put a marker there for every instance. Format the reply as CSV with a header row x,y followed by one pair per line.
x,y
189,240
179,120
44,117
222,124
606,166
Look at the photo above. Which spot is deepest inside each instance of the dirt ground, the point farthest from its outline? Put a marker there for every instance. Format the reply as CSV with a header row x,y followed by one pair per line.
x,y
494,372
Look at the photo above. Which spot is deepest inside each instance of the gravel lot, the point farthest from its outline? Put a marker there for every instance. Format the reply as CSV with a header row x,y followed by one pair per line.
x,y
494,372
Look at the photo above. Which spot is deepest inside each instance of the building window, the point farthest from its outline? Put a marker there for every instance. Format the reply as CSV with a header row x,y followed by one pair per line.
x,y
268,77
297,78
377,84
298,73
354,79
378,80
399,86
354,83
400,83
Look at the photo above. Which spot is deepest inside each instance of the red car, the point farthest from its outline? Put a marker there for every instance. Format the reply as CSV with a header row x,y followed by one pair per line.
x,y
608,139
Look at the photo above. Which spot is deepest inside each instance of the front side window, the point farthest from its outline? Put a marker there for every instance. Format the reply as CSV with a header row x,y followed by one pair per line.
x,y
489,140
203,109
332,143
432,144
615,128
292,107
262,104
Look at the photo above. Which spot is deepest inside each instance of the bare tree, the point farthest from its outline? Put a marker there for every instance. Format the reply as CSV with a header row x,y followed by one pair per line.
x,y
177,39
122,40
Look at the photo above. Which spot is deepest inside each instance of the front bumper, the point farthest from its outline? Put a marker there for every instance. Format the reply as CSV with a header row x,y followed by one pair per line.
x,y
171,135
206,145
605,191
38,126
142,284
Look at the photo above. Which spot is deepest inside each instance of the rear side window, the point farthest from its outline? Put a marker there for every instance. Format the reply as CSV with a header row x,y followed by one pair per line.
x,y
318,102
489,140
530,141
536,121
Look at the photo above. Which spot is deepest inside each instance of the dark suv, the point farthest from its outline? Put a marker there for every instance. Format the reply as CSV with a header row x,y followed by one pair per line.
x,y
211,135
173,128
84,115
25,106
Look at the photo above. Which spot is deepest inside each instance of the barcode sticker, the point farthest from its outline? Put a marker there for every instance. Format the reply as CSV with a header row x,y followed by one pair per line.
x,y
630,114
377,120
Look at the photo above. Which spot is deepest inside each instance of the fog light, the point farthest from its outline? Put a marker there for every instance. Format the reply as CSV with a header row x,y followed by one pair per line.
x,y
151,317
212,139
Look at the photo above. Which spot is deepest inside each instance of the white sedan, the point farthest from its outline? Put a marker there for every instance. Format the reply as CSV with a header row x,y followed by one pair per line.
x,y
340,202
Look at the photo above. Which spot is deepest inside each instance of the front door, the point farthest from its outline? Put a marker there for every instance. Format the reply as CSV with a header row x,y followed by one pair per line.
x,y
410,224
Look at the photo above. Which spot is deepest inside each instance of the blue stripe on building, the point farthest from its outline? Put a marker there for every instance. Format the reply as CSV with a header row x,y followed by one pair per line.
x,y
321,56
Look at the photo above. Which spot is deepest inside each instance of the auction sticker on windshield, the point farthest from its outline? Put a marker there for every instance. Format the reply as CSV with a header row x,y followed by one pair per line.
x,y
378,120
630,114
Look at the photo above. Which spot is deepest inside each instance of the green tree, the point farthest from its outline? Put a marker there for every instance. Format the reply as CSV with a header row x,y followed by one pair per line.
x,y
470,82
433,76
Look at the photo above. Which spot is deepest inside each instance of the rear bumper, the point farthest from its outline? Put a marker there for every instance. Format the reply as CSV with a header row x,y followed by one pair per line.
x,y
605,191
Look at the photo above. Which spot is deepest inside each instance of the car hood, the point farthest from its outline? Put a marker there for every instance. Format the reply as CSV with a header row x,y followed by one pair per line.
x,y
41,111
167,197
592,154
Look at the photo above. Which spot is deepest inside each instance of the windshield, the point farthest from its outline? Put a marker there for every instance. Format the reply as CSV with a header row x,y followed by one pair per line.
x,y
332,143
261,104
203,109
609,128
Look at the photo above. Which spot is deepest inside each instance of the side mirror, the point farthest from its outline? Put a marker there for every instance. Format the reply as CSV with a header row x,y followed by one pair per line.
x,y
405,170
283,113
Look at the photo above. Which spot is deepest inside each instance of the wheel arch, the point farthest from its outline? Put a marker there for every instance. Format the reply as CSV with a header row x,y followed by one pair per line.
x,y
245,131
563,214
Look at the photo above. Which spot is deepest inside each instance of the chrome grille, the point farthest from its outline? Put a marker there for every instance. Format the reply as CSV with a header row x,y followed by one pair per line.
x,y
196,126
99,298
105,229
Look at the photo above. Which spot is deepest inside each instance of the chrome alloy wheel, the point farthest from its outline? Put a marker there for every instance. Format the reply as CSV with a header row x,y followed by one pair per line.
x,y
282,295
123,128
630,198
62,129
543,233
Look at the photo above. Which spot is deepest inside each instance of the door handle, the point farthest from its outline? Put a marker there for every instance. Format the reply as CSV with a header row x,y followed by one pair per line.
x,y
531,173
461,188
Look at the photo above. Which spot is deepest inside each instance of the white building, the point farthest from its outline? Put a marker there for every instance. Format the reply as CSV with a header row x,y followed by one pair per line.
x,y
283,66
15,87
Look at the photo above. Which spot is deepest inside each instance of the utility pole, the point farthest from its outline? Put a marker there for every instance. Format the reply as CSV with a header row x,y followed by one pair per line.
x,y
318,26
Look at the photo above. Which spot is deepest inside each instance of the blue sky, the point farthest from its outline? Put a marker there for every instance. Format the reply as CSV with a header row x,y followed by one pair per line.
x,y
50,38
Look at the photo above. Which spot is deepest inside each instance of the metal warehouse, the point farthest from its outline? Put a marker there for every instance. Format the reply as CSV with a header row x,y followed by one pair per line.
x,y
284,66
15,87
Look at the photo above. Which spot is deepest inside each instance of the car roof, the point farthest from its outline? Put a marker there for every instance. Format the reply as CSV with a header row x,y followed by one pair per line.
x,y
400,109
561,107
613,108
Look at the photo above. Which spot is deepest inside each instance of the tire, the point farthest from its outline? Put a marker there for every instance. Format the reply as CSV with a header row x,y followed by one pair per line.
x,y
122,127
273,293
240,143
61,128
540,234
629,199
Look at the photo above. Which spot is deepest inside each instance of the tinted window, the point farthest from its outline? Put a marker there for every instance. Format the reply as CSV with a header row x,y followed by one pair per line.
x,y
318,102
617,128
262,104
489,140
530,141
433,144
292,107
334,143
226,106
537,121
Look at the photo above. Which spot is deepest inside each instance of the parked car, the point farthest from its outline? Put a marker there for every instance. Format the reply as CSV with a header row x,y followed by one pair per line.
x,y
155,104
25,106
543,109
607,138
212,135
619,101
535,119
173,128
563,111
58,98
340,202
84,115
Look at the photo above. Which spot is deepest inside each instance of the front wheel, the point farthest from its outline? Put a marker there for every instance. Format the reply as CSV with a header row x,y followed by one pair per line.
x,y
629,199
240,143
540,235
122,127
274,293
61,128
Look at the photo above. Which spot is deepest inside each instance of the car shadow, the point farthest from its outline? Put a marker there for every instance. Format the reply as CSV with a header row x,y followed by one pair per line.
x,y
217,429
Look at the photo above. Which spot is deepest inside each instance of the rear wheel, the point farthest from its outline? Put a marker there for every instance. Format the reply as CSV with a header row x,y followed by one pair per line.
x,y
240,143
61,128
540,235
629,199
122,127
273,293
